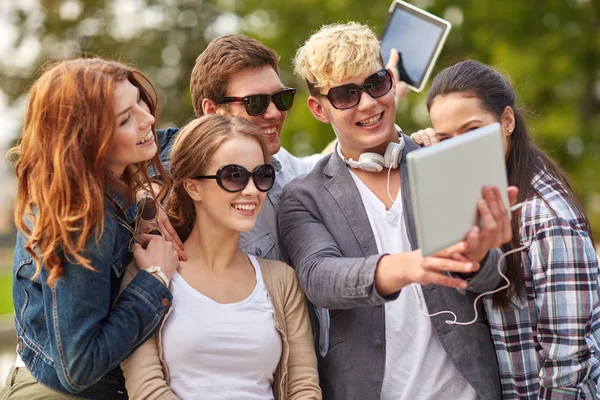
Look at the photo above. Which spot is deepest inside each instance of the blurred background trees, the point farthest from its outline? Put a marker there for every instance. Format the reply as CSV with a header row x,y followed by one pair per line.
x,y
549,48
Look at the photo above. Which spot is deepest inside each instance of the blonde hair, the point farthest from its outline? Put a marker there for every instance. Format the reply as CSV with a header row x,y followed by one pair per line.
x,y
192,154
337,52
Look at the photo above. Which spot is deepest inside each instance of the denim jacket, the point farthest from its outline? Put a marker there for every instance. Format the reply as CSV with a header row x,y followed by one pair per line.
x,y
73,337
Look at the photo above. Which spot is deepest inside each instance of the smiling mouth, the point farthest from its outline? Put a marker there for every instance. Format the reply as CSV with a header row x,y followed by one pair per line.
x,y
149,136
370,121
269,131
244,207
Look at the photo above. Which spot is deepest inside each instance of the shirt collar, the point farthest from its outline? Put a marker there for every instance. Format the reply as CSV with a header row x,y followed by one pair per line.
x,y
129,209
276,164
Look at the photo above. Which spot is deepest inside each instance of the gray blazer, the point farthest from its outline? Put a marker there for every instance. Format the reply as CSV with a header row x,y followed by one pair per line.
x,y
326,233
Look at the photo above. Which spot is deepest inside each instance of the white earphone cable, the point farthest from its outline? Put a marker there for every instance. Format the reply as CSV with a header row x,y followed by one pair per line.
x,y
503,287
388,184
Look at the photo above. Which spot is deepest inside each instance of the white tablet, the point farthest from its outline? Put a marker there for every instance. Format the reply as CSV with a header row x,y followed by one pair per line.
x,y
418,36
446,181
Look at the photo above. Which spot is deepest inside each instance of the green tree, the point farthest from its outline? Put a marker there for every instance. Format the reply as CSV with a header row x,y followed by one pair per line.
x,y
549,48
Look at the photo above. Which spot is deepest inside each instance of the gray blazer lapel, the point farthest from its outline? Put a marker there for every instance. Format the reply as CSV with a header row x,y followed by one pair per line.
x,y
409,219
344,191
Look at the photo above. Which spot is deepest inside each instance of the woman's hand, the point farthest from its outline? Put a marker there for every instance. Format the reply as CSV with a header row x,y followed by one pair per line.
x,y
162,220
166,228
424,137
156,252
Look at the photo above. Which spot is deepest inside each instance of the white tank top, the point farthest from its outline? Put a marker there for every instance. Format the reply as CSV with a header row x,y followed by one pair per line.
x,y
221,351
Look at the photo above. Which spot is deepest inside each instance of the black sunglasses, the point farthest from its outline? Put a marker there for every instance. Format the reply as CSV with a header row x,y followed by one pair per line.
x,y
147,208
147,211
257,104
347,96
234,178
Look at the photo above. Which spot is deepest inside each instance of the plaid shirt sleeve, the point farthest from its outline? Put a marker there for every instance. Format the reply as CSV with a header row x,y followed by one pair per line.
x,y
564,266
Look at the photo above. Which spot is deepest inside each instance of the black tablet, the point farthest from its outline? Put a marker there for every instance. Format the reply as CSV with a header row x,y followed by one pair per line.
x,y
418,36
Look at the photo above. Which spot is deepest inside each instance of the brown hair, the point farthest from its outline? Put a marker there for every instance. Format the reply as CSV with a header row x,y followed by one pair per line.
x,y
222,58
192,154
59,162
525,159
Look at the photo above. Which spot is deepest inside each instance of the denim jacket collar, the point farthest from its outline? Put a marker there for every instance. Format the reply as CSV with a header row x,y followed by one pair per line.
x,y
129,208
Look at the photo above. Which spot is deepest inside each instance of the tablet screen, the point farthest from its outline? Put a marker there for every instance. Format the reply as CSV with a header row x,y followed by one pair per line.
x,y
418,36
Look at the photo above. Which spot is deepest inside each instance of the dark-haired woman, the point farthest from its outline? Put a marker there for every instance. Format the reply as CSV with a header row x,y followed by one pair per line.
x,y
545,326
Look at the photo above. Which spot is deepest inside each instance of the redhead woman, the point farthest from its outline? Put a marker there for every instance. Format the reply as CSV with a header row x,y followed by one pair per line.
x,y
239,326
545,325
88,141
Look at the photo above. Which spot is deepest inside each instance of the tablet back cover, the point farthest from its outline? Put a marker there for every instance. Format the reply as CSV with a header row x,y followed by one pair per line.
x,y
446,181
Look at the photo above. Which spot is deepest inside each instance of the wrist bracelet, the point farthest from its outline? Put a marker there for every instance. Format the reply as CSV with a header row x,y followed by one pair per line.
x,y
158,272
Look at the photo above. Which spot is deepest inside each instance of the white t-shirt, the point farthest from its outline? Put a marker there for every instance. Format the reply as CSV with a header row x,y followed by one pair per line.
x,y
416,365
221,351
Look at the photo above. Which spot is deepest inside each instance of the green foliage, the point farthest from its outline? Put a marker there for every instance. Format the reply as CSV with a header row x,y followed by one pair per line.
x,y
6,305
549,48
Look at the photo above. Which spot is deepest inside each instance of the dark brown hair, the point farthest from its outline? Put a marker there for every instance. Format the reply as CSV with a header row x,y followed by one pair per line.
x,y
525,159
222,58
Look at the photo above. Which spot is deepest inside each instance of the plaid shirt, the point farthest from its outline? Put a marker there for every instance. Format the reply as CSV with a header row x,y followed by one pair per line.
x,y
547,340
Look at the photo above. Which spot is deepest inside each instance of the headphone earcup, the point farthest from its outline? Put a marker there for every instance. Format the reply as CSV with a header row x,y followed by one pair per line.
x,y
393,153
371,162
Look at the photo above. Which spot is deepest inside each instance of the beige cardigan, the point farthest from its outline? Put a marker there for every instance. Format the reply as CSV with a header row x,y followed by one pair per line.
x,y
296,376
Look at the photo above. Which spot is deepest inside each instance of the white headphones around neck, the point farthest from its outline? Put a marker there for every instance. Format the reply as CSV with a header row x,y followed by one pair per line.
x,y
373,162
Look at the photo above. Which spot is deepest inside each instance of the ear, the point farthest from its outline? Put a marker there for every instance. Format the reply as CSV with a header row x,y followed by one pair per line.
x,y
317,109
209,107
394,78
508,121
193,189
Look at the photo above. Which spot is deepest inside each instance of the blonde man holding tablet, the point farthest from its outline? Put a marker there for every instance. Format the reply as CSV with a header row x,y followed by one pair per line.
x,y
362,247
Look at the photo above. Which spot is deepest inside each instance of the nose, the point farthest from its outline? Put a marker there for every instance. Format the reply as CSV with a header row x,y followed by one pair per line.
x,y
250,189
146,118
366,101
272,112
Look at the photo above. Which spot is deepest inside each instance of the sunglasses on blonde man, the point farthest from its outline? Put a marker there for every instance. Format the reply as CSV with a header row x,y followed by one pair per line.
x,y
347,96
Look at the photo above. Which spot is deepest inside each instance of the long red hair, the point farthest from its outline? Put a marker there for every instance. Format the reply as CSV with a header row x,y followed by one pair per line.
x,y
60,160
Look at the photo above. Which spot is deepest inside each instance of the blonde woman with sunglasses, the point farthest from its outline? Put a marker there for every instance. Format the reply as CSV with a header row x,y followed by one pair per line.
x,y
239,326
88,140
